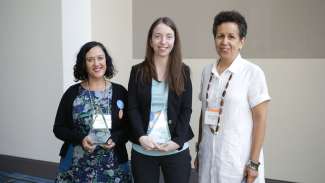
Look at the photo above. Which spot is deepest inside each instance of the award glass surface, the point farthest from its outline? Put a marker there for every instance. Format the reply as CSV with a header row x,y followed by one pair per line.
x,y
159,130
99,132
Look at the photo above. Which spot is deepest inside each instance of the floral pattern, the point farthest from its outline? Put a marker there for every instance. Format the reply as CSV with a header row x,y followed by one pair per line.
x,y
101,165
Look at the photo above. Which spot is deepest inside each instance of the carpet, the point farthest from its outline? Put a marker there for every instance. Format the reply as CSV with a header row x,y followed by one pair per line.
x,y
13,177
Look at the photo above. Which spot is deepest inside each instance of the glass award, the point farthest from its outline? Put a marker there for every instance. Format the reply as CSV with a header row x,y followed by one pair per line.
x,y
99,132
159,130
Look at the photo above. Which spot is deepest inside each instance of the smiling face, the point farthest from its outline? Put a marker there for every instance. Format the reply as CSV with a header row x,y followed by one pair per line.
x,y
95,63
227,41
162,40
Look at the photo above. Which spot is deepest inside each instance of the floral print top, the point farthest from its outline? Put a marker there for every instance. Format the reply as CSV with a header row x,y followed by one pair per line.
x,y
101,165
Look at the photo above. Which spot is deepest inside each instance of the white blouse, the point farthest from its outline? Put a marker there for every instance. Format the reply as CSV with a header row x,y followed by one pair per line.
x,y
223,156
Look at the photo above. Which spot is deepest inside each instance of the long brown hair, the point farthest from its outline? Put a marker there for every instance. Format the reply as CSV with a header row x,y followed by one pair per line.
x,y
175,67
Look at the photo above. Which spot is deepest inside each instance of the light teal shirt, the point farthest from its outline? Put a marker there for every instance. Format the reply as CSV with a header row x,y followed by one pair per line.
x,y
159,99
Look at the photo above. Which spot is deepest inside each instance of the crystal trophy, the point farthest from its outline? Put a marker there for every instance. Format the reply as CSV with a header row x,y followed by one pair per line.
x,y
99,132
159,131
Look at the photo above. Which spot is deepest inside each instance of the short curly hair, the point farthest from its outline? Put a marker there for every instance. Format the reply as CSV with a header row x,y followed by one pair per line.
x,y
230,16
80,70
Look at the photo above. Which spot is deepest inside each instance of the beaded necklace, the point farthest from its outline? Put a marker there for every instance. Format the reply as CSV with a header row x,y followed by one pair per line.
x,y
215,131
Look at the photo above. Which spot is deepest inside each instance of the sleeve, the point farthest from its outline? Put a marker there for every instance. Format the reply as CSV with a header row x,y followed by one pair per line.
x,y
135,119
120,136
62,128
183,124
257,89
201,85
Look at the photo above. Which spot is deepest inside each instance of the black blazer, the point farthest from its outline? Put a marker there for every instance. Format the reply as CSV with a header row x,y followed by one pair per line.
x,y
179,108
63,125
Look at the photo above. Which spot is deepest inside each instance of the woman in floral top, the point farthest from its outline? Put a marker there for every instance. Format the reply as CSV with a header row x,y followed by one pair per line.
x,y
92,122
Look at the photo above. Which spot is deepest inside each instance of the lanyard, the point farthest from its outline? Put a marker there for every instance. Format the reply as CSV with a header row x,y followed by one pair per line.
x,y
223,95
96,108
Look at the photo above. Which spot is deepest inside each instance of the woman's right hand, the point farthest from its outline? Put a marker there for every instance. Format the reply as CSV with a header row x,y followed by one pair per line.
x,y
88,145
147,143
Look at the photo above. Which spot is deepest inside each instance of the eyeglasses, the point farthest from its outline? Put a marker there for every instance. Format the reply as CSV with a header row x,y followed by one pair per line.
x,y
223,95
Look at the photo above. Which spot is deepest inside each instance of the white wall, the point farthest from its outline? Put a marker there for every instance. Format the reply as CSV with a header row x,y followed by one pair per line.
x,y
76,31
38,46
31,77
112,25
293,145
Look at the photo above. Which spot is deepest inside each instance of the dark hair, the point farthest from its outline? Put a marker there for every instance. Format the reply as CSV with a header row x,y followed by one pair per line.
x,y
175,68
79,69
230,16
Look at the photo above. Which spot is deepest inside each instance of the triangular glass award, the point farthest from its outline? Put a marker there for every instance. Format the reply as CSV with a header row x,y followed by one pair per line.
x,y
99,132
160,130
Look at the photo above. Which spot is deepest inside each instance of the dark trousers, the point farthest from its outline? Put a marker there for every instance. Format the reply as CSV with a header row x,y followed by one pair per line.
x,y
176,168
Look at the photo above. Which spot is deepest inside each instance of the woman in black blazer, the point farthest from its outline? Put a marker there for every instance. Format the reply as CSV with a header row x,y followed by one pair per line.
x,y
160,94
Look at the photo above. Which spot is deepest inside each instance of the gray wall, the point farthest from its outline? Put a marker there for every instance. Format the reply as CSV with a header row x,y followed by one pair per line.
x,y
31,74
276,29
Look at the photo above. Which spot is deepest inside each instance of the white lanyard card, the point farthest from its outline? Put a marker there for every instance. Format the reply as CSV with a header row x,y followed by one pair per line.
x,y
211,116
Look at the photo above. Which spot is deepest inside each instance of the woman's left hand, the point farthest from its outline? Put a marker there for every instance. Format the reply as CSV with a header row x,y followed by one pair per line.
x,y
169,146
109,144
250,175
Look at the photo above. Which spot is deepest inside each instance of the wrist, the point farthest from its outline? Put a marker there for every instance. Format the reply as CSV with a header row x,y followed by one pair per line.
x,y
253,165
197,146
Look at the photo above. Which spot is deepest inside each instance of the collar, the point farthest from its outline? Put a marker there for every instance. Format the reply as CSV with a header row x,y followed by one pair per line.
x,y
233,68
236,64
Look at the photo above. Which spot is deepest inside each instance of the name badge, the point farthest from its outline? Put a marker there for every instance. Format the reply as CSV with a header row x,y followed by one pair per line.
x,y
99,122
211,116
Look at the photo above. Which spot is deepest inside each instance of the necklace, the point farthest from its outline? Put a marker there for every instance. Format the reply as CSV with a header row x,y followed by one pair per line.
x,y
96,108
223,95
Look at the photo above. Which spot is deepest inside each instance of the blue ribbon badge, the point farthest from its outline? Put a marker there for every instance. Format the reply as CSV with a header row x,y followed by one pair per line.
x,y
120,106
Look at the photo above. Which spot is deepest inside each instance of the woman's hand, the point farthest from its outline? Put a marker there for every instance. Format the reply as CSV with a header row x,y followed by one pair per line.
x,y
250,174
109,144
169,146
88,145
147,143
